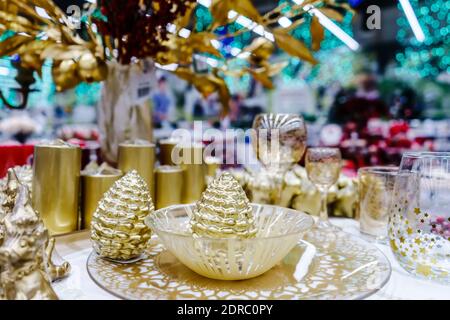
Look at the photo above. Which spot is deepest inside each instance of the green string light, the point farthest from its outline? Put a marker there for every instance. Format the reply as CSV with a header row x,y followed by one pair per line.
x,y
430,58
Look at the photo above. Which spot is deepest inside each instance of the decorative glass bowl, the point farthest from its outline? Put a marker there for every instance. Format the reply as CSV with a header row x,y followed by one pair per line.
x,y
279,230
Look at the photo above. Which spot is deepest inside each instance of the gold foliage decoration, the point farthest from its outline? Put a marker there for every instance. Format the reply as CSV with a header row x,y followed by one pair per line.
x,y
78,59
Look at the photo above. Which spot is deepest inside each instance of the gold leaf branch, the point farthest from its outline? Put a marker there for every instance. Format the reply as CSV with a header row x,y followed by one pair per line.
x,y
38,38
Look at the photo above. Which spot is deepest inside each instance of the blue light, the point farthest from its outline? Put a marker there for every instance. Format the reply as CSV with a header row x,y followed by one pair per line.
x,y
355,3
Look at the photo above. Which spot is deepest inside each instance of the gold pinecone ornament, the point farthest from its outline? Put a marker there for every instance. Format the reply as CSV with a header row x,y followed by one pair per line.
x,y
118,231
223,211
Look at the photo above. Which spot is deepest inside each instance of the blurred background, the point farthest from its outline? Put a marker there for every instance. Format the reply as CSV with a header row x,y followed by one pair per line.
x,y
375,94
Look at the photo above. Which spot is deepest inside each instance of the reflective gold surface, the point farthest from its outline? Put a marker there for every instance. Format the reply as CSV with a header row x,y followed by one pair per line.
x,y
299,193
279,140
22,256
94,183
9,192
169,186
24,174
165,151
348,269
223,211
194,173
118,230
77,59
56,179
139,155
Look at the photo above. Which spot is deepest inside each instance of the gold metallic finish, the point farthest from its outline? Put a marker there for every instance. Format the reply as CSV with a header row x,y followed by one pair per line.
x,y
84,60
56,272
9,191
165,151
298,192
56,180
169,186
223,211
194,172
24,174
22,255
94,183
279,140
118,230
139,155
309,271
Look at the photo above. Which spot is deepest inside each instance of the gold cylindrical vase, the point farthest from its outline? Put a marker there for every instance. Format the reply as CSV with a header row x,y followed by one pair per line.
x,y
93,187
140,156
169,186
166,147
56,180
194,173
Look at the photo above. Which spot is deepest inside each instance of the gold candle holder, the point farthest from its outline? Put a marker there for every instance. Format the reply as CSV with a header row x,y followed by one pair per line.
x,y
56,179
139,155
169,186
94,183
166,147
194,172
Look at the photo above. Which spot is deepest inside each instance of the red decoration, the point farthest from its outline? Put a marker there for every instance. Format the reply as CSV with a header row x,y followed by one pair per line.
x,y
139,27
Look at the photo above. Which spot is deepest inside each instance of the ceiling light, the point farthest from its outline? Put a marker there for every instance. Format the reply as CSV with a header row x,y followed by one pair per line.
x,y
412,19
333,28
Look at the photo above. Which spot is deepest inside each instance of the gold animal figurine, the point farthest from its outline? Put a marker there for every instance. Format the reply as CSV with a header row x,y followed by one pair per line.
x,y
21,258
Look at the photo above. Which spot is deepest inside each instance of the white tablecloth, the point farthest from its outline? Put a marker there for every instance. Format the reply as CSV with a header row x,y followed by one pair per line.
x,y
76,249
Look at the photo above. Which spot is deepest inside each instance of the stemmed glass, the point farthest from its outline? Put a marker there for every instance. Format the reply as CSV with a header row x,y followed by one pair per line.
x,y
279,141
323,166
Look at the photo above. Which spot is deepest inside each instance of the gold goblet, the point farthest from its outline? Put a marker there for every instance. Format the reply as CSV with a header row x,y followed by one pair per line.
x,y
323,166
279,141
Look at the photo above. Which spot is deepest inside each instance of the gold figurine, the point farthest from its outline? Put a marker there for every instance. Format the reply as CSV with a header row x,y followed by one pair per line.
x,y
223,211
21,254
118,231
22,176
298,192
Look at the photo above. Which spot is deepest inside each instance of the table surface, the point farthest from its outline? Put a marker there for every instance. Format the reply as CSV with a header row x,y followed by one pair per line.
x,y
76,248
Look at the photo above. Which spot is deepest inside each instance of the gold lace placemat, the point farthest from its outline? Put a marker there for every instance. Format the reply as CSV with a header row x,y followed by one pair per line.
x,y
346,268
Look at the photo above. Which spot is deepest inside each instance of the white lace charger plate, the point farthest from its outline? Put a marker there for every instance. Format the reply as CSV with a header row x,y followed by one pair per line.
x,y
345,267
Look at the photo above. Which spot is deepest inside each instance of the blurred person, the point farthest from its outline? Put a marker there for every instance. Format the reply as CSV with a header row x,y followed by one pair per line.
x,y
162,102
190,99
235,107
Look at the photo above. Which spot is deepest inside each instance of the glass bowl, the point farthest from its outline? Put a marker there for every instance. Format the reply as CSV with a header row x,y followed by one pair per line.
x,y
279,230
